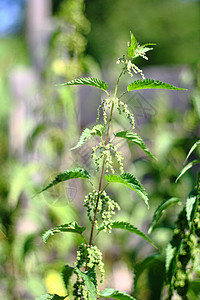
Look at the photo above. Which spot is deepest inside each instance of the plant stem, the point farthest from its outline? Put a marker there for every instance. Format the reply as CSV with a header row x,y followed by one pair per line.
x,y
101,178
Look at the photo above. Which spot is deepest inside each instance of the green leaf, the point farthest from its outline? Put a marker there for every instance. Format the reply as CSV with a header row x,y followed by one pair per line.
x,y
172,252
191,205
129,227
187,167
133,45
143,49
50,297
98,129
87,81
69,174
131,182
151,84
115,294
70,227
88,282
192,149
161,208
135,138
67,272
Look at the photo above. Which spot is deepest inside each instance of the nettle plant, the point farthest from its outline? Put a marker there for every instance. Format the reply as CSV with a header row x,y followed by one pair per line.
x,y
89,267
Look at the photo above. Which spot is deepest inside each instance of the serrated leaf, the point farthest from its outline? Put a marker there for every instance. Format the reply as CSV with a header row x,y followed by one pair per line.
x,y
192,149
135,138
50,297
187,167
172,251
129,227
87,81
133,45
131,182
69,174
115,294
67,272
98,129
151,84
160,209
70,227
88,282
191,204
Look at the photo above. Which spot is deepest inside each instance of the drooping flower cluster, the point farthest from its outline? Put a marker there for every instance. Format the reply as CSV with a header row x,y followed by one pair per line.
x,y
101,150
106,208
90,257
130,67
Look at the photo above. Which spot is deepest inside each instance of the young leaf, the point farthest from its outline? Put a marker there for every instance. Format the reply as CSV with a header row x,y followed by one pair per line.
x,y
115,294
67,272
50,297
161,208
131,182
87,81
98,129
187,167
191,204
88,282
150,84
69,174
129,227
135,138
70,227
132,47
192,149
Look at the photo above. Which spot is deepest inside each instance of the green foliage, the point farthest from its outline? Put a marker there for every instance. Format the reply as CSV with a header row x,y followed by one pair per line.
x,y
98,129
50,297
115,294
134,138
151,84
187,167
67,272
87,81
90,286
161,208
69,174
129,227
191,204
131,182
71,227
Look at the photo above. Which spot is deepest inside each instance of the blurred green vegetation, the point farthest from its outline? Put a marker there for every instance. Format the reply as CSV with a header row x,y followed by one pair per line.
x,y
173,25
24,261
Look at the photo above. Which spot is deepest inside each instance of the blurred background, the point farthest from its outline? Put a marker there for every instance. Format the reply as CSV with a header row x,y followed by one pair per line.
x,y
43,43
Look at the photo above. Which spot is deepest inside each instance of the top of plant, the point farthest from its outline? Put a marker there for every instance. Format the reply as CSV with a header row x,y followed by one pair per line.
x,y
134,50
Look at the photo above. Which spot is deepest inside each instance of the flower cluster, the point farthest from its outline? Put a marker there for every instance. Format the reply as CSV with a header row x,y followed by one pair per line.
x,y
91,257
130,67
90,203
123,108
80,290
106,208
106,151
